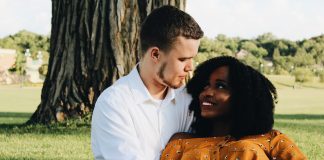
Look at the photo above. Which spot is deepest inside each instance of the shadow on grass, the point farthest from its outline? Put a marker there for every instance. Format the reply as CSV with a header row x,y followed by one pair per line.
x,y
15,114
298,85
299,116
310,128
14,123
10,126
284,84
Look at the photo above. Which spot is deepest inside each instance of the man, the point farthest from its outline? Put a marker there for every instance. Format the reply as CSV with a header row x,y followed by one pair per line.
x,y
136,116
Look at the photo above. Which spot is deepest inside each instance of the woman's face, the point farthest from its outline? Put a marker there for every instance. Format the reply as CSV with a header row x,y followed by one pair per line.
x,y
215,98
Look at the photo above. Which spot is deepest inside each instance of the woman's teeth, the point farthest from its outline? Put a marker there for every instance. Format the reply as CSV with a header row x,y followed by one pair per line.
x,y
207,104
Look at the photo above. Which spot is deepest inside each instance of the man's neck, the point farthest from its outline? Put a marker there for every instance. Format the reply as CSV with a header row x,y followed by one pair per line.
x,y
157,90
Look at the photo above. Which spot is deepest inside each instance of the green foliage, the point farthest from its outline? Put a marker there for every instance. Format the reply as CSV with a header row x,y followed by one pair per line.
x,y
286,55
26,40
280,71
303,75
220,46
252,61
276,54
283,47
20,64
302,58
266,37
321,76
43,69
206,45
251,47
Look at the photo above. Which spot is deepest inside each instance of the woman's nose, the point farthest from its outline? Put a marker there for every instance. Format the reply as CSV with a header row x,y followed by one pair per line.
x,y
208,91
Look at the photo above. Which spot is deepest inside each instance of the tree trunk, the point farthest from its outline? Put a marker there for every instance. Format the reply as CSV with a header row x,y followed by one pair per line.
x,y
93,43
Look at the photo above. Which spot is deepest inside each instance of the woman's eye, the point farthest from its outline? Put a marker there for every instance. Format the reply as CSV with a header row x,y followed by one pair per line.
x,y
220,86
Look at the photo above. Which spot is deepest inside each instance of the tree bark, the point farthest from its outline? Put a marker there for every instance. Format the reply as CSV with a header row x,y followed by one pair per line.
x,y
93,43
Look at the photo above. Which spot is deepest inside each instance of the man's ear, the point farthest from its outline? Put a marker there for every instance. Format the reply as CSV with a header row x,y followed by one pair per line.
x,y
155,54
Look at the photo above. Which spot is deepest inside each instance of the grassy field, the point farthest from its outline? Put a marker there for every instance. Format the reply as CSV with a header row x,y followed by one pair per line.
x,y
62,141
299,114
42,142
17,99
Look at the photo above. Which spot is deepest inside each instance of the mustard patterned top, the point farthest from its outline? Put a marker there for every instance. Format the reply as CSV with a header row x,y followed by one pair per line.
x,y
273,145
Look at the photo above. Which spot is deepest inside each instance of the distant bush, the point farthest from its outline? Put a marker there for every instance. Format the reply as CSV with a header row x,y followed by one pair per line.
x,y
303,75
43,69
252,61
203,56
280,71
321,76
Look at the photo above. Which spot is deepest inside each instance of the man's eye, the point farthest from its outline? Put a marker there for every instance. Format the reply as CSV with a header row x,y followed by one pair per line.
x,y
182,59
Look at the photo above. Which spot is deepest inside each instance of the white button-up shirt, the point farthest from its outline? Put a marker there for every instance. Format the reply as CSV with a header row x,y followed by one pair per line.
x,y
129,124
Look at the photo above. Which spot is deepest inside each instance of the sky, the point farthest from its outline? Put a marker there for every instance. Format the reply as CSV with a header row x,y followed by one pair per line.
x,y
289,19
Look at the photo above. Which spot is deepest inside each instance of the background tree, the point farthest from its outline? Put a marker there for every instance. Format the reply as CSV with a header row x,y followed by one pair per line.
x,y
252,47
93,43
25,40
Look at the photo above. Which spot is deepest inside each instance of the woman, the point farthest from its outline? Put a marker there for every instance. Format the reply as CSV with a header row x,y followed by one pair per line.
x,y
233,106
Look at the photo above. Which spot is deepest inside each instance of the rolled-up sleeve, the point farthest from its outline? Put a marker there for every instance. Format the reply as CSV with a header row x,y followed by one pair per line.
x,y
113,136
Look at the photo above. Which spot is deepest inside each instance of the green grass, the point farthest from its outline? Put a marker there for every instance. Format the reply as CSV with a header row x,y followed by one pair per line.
x,y
299,114
60,141
14,98
306,131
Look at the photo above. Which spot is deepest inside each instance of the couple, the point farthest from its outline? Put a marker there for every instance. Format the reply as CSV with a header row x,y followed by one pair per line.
x,y
225,111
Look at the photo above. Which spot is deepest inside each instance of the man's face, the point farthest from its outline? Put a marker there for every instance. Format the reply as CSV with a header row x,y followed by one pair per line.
x,y
175,65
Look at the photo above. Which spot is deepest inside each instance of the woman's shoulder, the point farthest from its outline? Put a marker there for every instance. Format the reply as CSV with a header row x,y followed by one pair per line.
x,y
181,135
278,145
268,135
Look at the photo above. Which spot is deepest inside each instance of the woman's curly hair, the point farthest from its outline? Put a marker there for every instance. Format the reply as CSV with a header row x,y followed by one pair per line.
x,y
252,99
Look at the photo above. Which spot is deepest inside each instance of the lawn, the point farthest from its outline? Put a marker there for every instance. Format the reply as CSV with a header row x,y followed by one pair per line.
x,y
37,142
42,142
299,114
14,98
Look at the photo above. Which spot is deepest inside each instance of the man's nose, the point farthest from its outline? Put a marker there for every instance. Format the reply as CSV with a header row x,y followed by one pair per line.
x,y
189,66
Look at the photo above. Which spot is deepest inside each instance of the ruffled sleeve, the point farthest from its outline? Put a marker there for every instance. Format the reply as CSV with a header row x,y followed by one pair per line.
x,y
173,150
281,147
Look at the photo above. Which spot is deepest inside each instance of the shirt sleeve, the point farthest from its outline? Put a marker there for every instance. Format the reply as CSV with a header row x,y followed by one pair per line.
x,y
188,115
281,147
113,136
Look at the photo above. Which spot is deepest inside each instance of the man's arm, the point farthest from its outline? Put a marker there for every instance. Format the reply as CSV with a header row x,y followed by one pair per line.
x,y
112,132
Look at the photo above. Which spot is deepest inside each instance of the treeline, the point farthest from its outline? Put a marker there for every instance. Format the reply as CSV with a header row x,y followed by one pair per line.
x,y
304,59
26,40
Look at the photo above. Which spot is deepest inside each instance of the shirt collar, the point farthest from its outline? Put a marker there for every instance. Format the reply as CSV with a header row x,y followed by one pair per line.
x,y
139,90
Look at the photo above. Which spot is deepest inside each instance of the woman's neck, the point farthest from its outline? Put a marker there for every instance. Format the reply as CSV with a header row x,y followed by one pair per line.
x,y
220,128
